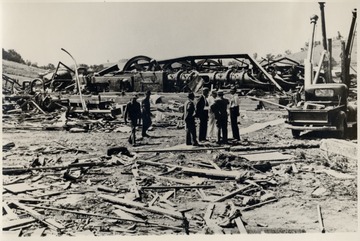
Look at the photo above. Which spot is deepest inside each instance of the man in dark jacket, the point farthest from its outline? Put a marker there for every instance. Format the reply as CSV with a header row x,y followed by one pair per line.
x,y
221,116
234,113
189,118
202,112
133,112
146,114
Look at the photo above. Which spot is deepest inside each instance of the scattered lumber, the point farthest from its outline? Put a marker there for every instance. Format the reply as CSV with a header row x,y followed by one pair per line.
x,y
133,204
12,170
232,193
47,221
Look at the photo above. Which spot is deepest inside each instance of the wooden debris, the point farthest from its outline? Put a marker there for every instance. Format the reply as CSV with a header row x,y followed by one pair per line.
x,y
336,174
259,126
85,213
11,170
211,223
268,156
258,205
232,193
240,225
153,209
321,221
283,147
131,210
341,147
182,149
19,188
9,224
47,221
171,179
9,212
176,187
319,192
155,198
211,173
125,215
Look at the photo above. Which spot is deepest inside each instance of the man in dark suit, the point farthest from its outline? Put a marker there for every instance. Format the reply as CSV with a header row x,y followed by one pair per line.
x,y
202,112
146,114
133,112
234,113
221,116
189,118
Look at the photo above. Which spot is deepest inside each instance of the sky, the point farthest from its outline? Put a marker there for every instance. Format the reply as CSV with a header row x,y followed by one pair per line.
x,y
100,32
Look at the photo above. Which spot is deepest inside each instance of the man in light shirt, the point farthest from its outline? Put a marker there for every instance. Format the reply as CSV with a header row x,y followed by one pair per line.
x,y
212,123
234,113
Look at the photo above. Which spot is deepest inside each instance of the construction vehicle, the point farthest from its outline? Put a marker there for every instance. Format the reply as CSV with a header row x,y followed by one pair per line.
x,y
325,106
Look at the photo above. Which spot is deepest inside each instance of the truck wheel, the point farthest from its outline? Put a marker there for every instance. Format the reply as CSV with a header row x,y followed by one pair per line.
x,y
341,126
295,133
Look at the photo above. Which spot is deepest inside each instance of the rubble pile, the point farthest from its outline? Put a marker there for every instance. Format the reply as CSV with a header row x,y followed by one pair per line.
x,y
132,193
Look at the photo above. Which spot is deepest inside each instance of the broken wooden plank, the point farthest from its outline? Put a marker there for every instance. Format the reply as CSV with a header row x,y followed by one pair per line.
x,y
259,126
269,156
130,210
124,215
240,225
49,194
278,147
39,217
258,205
341,147
153,209
155,198
171,179
212,163
6,225
9,212
85,213
183,149
233,193
19,188
321,221
17,170
211,173
176,187
211,223
336,174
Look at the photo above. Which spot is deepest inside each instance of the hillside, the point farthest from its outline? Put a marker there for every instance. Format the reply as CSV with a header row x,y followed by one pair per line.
x,y
20,71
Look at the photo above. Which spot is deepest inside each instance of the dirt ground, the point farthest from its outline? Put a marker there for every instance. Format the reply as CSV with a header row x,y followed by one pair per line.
x,y
294,211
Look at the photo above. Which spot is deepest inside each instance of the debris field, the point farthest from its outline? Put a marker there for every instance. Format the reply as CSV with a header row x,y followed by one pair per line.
x,y
77,175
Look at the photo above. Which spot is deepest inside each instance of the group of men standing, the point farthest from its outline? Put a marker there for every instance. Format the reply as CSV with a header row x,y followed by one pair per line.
x,y
137,113
211,111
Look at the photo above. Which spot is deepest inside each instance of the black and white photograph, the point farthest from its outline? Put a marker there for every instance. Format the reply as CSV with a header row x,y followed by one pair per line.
x,y
179,119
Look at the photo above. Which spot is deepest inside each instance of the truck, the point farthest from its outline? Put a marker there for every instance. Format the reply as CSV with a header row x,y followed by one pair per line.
x,y
325,106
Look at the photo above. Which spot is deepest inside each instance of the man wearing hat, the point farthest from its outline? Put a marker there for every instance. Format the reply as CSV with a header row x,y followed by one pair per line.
x,y
220,111
234,113
146,114
202,112
189,118
133,112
